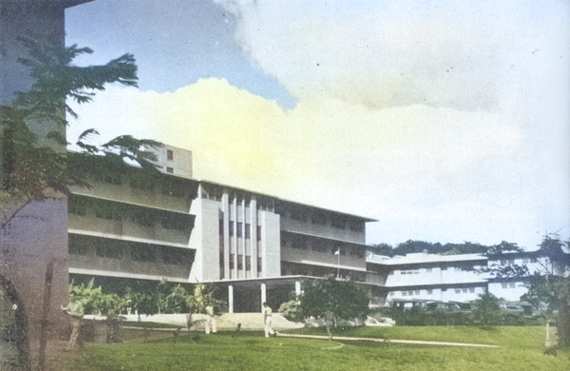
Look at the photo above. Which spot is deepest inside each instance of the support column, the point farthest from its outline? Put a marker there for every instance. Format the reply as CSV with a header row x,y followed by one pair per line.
x,y
230,299
297,288
263,295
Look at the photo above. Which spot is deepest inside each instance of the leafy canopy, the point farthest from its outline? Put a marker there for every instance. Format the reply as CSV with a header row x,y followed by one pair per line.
x,y
34,163
345,299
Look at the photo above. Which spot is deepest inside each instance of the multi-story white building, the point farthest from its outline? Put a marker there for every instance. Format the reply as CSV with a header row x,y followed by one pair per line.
x,y
451,278
431,277
256,247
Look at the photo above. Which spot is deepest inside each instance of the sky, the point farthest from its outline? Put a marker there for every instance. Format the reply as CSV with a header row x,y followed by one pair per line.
x,y
447,121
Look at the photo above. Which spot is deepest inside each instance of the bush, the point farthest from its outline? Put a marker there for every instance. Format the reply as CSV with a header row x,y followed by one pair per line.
x,y
291,310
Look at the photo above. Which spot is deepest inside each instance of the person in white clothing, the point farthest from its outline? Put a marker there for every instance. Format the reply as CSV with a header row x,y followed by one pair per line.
x,y
210,320
268,320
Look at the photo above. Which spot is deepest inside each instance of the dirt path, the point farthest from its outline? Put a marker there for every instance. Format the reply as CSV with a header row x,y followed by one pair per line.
x,y
414,342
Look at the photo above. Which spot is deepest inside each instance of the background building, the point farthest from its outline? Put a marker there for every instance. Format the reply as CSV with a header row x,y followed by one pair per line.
x,y
451,278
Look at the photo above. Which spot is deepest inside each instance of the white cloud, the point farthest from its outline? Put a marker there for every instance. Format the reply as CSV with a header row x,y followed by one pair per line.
x,y
445,124
451,54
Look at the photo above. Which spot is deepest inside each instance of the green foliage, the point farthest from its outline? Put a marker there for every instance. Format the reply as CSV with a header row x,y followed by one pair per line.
x,y
32,141
204,294
56,78
142,297
498,251
176,301
95,301
411,246
291,310
381,249
552,286
486,310
344,298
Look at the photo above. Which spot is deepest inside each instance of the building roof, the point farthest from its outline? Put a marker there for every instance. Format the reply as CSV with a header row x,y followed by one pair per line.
x,y
63,3
421,258
363,218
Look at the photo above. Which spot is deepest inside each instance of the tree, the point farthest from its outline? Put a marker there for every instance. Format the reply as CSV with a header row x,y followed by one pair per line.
x,y
381,249
95,301
33,163
551,287
486,310
344,298
34,166
547,287
203,295
502,251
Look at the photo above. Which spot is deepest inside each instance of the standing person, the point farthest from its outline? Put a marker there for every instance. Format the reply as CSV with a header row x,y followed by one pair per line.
x,y
329,322
268,320
210,320
75,312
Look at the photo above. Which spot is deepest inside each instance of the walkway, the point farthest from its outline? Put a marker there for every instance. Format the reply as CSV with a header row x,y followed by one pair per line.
x,y
395,341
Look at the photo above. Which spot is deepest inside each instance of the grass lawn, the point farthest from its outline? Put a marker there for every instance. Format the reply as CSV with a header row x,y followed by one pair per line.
x,y
521,349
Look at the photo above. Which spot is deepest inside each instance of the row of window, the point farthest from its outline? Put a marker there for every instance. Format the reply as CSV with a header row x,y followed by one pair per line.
x,y
322,247
141,216
215,193
410,271
430,291
320,218
238,262
428,270
136,181
239,229
115,249
512,261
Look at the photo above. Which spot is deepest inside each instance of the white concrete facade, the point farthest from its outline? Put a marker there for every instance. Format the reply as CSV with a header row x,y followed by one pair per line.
x,y
449,278
241,234
131,225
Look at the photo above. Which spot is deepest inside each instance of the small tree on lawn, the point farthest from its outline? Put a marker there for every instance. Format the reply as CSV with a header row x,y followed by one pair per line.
x,y
203,295
344,298
486,310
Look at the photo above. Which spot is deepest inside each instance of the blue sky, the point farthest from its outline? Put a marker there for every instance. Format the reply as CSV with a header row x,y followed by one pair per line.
x,y
447,121
175,42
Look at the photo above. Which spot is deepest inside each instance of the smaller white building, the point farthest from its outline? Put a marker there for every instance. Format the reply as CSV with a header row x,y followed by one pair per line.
x,y
451,278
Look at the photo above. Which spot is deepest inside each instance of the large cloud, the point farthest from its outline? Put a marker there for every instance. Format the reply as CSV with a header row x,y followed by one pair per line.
x,y
445,123
429,173
441,53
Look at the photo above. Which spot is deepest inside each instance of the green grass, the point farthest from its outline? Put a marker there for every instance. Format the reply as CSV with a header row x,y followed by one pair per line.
x,y
522,349
515,336
148,325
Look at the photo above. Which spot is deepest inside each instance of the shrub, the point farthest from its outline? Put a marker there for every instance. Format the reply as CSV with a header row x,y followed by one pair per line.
x,y
291,310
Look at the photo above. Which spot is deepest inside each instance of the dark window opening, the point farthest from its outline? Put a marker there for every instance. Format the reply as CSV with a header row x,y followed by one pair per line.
x,y
143,253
